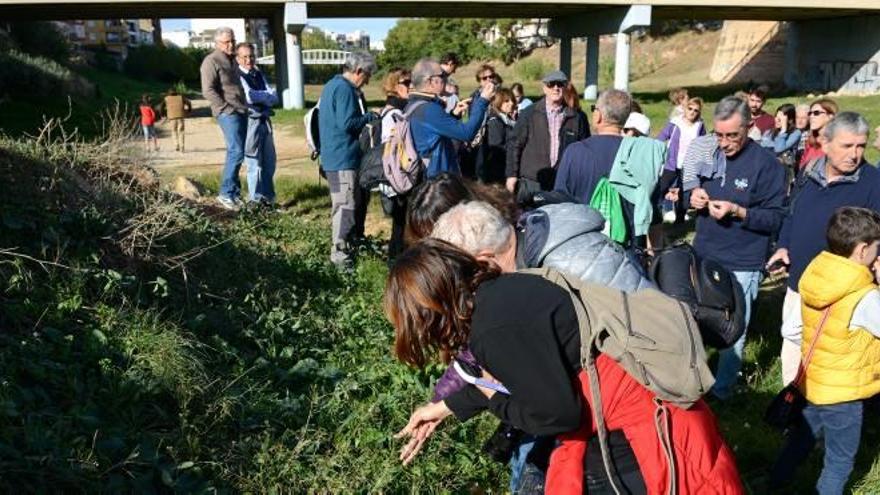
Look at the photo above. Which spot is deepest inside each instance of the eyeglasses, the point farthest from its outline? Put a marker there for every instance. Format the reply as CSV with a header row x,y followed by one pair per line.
x,y
693,109
405,82
556,84
487,78
816,113
730,136
593,108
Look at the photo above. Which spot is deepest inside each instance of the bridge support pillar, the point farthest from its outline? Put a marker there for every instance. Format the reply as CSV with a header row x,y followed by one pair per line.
x,y
565,55
287,26
621,62
591,88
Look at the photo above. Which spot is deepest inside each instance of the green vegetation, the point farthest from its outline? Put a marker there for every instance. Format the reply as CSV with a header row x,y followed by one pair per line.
x,y
151,345
165,64
412,39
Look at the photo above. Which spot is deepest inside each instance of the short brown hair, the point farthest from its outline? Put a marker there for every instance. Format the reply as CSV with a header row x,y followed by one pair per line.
x,y
429,299
392,79
484,68
434,197
850,226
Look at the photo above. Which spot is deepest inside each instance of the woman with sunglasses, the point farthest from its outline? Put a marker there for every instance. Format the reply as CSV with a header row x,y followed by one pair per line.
x,y
679,133
821,112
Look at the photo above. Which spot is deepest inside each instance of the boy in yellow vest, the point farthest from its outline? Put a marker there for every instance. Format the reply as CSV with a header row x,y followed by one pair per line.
x,y
845,365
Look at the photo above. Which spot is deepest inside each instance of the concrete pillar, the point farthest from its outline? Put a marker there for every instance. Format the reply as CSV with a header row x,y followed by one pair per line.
x,y
791,76
591,89
621,63
565,55
287,25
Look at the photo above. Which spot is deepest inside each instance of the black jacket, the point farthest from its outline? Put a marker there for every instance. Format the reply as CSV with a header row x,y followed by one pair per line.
x,y
492,154
528,152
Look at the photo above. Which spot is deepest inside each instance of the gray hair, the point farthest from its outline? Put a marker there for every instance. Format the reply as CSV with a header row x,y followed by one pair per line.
x,y
474,226
846,121
730,106
360,60
802,107
615,106
423,71
223,30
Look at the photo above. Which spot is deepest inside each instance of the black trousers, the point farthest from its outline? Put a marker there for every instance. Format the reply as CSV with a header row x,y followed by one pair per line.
x,y
668,180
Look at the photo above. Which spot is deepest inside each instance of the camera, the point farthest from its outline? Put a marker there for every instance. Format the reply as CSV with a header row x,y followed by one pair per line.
x,y
502,443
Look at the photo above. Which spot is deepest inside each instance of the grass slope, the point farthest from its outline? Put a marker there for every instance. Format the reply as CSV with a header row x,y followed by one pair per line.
x,y
151,345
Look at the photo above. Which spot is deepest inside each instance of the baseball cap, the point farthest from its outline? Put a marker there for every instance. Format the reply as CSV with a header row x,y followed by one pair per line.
x,y
639,122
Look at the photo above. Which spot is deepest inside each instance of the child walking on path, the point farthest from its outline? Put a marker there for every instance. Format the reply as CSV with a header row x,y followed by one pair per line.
x,y
148,122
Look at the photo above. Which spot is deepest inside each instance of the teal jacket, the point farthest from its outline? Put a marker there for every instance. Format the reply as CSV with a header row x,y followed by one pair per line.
x,y
340,120
635,173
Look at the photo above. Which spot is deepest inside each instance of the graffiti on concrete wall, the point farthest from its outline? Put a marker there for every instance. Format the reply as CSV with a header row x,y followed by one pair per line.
x,y
850,77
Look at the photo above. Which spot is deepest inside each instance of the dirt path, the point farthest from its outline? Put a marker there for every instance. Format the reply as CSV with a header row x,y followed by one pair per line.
x,y
206,151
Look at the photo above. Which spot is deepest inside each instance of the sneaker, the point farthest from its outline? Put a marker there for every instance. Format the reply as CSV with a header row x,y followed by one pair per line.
x,y
232,204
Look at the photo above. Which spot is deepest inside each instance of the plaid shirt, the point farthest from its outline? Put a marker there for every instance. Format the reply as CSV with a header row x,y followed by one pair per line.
x,y
554,123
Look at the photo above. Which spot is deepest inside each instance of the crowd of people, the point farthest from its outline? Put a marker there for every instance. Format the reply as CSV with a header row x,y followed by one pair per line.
x,y
507,185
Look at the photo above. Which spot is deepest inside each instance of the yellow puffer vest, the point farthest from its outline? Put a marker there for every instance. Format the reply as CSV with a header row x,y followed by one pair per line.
x,y
846,363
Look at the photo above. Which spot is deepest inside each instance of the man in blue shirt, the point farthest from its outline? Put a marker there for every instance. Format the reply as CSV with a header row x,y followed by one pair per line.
x,y
341,117
841,178
433,130
739,208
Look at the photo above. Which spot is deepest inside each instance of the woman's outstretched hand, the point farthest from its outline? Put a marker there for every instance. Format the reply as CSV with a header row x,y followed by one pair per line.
x,y
422,424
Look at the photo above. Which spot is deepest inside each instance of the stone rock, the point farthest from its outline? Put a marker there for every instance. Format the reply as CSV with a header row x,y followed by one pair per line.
x,y
188,188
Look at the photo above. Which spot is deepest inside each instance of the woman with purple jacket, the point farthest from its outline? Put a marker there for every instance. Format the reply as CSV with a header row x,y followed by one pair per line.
x,y
678,134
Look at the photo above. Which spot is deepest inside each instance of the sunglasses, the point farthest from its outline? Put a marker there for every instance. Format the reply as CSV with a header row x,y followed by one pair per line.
x,y
593,108
556,84
816,113
405,82
487,78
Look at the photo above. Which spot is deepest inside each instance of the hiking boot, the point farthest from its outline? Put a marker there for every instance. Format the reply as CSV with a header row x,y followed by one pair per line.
x,y
231,204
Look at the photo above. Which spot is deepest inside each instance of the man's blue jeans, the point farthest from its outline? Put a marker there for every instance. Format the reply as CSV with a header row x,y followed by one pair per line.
x,y
234,127
730,359
841,425
261,169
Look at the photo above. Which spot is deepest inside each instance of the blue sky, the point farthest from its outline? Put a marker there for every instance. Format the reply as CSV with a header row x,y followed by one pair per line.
x,y
378,28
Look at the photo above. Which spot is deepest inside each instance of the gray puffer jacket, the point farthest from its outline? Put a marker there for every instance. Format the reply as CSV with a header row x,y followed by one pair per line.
x,y
569,238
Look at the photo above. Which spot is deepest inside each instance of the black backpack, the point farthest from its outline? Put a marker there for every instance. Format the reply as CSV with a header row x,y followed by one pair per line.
x,y
711,292
372,172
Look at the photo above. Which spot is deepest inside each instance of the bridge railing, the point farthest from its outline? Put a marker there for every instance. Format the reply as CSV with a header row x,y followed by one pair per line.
x,y
313,57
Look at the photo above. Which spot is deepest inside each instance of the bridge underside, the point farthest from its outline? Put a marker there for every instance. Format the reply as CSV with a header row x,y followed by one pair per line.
x,y
341,9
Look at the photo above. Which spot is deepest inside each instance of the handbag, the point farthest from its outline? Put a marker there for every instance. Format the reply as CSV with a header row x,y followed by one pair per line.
x,y
786,409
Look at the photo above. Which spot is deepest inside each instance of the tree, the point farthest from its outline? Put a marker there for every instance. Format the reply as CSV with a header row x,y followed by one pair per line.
x,y
412,39
315,39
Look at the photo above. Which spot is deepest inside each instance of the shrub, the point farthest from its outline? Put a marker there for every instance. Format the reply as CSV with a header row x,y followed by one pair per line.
x,y
30,77
41,39
532,69
162,63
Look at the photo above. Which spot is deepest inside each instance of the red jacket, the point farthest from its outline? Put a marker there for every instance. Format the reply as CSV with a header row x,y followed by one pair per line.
x,y
148,116
704,463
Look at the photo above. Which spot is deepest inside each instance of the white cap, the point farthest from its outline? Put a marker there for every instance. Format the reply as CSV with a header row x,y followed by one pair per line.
x,y
639,122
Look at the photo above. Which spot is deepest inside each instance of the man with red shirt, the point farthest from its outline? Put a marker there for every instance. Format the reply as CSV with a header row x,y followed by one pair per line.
x,y
761,120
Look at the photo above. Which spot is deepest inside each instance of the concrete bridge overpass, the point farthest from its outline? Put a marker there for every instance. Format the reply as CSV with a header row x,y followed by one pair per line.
x,y
569,19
